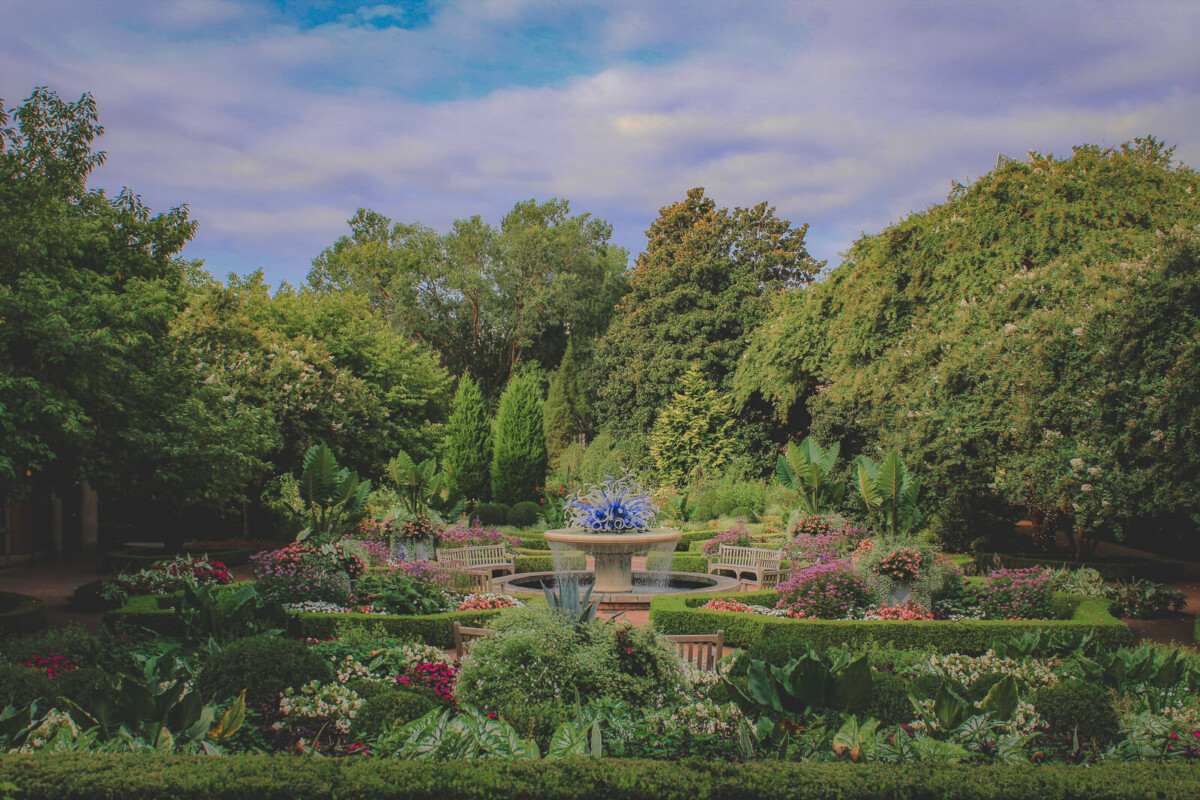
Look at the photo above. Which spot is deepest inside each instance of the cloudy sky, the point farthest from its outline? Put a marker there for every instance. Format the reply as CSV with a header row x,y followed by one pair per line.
x,y
274,121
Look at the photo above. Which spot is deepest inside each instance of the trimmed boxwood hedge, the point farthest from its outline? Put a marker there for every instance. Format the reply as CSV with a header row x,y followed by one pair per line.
x,y
154,612
71,776
546,563
1160,570
680,614
693,537
21,613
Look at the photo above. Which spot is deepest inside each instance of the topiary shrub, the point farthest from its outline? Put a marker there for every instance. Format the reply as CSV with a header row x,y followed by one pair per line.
x,y
889,700
389,708
724,507
1073,706
701,513
524,514
21,685
742,512
264,666
491,513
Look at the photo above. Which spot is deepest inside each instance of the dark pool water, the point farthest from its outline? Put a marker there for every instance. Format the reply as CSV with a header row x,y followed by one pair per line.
x,y
643,582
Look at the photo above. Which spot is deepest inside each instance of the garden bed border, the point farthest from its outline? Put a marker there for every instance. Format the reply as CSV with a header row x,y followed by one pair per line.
x,y
680,614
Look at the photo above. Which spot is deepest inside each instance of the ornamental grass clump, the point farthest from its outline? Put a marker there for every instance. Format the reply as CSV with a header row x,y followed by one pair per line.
x,y
831,590
1018,594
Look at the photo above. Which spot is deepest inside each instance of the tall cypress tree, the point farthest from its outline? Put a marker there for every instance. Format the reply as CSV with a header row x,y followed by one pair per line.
x,y
567,413
519,457
469,445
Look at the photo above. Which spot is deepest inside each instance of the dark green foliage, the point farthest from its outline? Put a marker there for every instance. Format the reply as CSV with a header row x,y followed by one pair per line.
x,y
545,563
263,666
20,614
702,513
679,614
491,513
79,684
21,685
743,513
1032,341
1080,706
685,540
1164,570
388,708
889,700
434,629
468,458
519,457
70,776
701,286
535,720
524,514
567,415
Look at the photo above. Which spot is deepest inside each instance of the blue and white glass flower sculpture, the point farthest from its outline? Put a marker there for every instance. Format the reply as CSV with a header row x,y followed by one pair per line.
x,y
616,504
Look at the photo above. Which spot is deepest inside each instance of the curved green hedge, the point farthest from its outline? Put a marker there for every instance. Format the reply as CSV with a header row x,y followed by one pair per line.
x,y
679,614
434,629
71,776
1160,570
21,613
546,563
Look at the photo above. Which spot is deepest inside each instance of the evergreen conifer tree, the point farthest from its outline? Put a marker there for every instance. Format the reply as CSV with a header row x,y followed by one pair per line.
x,y
519,456
694,432
469,444
567,412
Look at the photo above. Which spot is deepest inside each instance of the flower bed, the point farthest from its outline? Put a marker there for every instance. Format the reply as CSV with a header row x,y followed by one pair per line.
x,y
683,614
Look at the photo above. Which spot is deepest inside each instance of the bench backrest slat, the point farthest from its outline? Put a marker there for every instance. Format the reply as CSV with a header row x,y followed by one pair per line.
x,y
738,556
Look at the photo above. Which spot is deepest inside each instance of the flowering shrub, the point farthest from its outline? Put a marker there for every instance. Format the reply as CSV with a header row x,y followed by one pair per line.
x,y
738,535
817,548
616,504
474,535
438,676
487,601
800,524
417,528
407,656
286,561
907,611
832,590
52,664
1029,673
171,575
902,564
325,607
320,703
1018,593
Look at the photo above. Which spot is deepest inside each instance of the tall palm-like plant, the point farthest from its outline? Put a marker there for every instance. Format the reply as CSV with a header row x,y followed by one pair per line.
x,y
806,470
888,494
334,497
421,486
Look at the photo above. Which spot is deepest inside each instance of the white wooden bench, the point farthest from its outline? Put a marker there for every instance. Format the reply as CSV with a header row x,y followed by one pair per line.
x,y
479,558
760,562
702,650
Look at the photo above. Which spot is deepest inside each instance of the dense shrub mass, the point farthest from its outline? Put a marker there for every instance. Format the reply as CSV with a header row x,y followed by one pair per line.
x,y
264,667
1031,341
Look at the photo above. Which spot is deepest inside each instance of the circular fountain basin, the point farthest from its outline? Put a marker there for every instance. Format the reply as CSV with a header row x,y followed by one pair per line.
x,y
613,552
645,586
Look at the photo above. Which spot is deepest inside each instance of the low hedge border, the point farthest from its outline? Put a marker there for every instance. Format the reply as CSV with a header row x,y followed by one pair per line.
x,y
679,614
71,776
1161,571
24,614
155,612
546,563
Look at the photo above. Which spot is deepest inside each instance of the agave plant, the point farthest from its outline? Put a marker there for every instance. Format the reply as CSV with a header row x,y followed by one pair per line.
x,y
567,600
806,470
889,494
334,497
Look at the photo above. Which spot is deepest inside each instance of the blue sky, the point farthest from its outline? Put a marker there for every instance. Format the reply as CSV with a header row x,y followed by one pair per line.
x,y
273,121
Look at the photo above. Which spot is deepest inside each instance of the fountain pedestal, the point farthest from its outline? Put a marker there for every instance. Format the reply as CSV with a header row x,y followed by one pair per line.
x,y
613,552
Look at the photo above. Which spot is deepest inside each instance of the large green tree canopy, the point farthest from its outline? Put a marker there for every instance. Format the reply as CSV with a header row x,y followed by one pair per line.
x,y
91,383
698,290
1035,339
484,298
